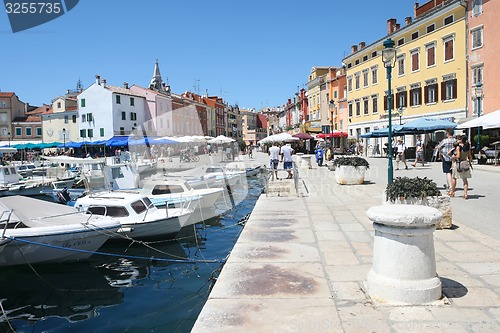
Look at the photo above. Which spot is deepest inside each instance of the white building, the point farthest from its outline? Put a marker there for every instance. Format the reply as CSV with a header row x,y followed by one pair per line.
x,y
105,111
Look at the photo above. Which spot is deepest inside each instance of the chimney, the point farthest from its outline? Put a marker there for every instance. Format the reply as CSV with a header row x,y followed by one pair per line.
x,y
354,48
98,79
407,20
104,83
415,7
125,85
391,26
362,45
397,27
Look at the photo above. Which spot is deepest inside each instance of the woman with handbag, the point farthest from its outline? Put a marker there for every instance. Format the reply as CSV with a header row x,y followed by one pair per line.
x,y
463,164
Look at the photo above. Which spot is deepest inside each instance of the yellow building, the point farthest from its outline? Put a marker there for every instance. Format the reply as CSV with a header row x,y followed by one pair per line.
x,y
429,75
316,81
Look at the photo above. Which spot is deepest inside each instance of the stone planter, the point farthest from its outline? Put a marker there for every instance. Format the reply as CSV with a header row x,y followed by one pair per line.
x,y
441,203
350,175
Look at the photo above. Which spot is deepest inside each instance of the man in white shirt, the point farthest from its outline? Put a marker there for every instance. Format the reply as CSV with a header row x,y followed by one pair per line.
x,y
286,153
274,153
401,147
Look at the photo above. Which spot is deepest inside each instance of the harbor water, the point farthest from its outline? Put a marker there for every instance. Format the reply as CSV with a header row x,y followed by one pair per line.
x,y
122,290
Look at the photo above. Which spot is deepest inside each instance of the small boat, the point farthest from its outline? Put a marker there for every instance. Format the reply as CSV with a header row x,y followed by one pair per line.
x,y
138,216
37,231
219,175
250,171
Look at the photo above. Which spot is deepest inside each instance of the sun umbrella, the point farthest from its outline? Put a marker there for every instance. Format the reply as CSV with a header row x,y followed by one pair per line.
x,y
303,136
221,139
425,124
489,120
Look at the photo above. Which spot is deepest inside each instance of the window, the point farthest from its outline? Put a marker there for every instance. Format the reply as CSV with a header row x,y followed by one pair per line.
x,y
350,110
365,106
66,119
374,75
349,83
90,133
358,108
431,55
349,65
401,66
138,206
101,132
365,58
133,116
82,102
401,41
430,93
356,80
478,104
448,49
477,37
335,94
356,62
374,54
73,118
83,133
39,131
449,90
167,189
414,35
365,78
28,131
58,105
401,99
122,130
132,102
430,28
386,102
118,99
124,115
477,74
448,20
415,63
84,117
477,7
89,117
375,105
416,96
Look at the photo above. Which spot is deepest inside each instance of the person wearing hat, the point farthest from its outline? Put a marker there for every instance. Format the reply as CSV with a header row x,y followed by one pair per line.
x,y
401,148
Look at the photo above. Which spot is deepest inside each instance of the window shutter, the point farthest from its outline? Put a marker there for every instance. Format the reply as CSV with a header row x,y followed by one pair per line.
x,y
398,96
405,99
426,94
385,102
392,101
455,88
443,91
420,96
411,97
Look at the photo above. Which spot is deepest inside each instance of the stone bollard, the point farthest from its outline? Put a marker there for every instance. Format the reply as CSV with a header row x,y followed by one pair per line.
x,y
404,263
298,159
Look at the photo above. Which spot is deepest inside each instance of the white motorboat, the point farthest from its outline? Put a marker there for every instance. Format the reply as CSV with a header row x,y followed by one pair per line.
x,y
138,216
221,177
37,231
250,171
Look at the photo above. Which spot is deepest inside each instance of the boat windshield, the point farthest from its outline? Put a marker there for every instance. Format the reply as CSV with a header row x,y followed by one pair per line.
x,y
167,189
113,211
138,206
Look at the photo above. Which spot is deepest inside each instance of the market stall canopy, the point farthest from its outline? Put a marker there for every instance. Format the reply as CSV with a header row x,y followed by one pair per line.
x,y
221,139
117,141
425,124
151,141
382,132
489,120
303,136
335,134
281,137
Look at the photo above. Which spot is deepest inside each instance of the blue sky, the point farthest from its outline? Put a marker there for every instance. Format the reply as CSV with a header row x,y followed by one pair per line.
x,y
254,53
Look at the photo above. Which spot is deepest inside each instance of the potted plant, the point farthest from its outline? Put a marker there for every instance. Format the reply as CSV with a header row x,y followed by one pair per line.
x,y
419,191
350,170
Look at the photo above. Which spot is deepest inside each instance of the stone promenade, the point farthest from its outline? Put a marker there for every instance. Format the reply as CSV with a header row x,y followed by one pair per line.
x,y
301,264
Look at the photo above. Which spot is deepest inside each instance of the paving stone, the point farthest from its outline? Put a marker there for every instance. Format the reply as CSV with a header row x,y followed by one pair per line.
x,y
322,226
362,318
340,258
450,313
348,273
356,236
471,257
274,252
412,313
474,297
469,247
331,236
351,227
351,291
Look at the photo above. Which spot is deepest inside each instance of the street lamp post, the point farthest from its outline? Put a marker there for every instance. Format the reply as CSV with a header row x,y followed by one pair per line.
x,y
479,95
388,56
400,112
64,138
332,106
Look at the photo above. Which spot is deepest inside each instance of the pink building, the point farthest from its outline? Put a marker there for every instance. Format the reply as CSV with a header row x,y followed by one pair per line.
x,y
483,46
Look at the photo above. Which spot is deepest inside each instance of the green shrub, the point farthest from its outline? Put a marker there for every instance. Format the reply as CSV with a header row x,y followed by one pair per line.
x,y
405,188
354,161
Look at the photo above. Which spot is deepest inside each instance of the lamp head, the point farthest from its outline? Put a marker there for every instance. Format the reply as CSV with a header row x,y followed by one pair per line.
x,y
400,111
389,52
479,90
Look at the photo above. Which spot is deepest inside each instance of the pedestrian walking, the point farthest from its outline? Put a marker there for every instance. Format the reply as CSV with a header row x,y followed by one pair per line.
x,y
444,147
401,156
286,153
419,151
462,165
274,158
